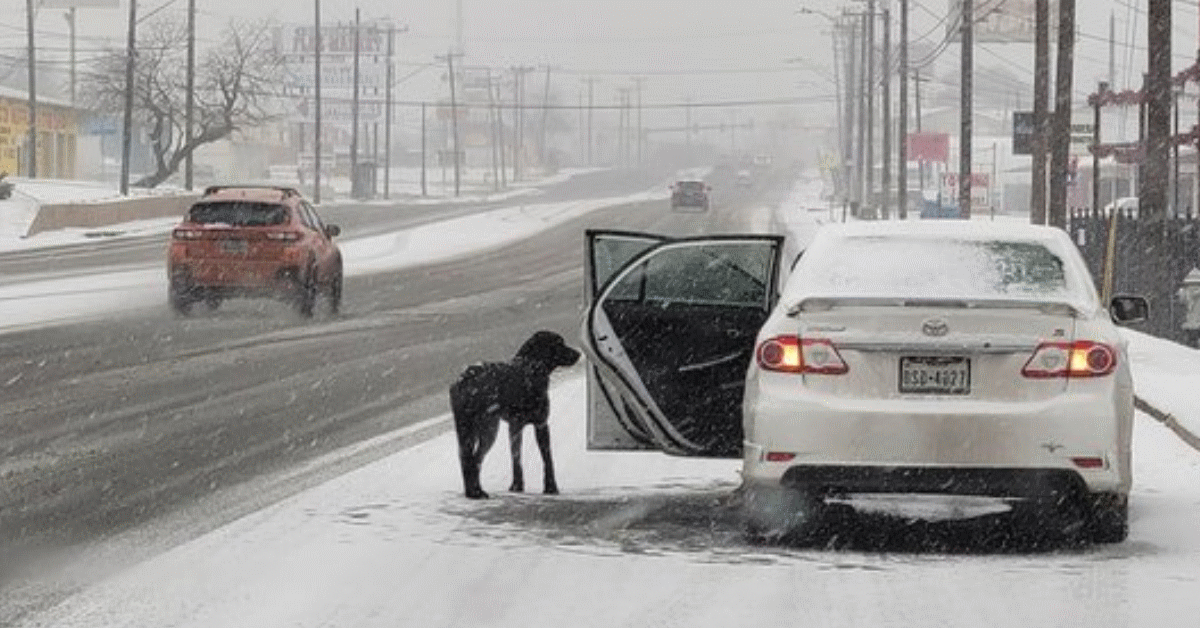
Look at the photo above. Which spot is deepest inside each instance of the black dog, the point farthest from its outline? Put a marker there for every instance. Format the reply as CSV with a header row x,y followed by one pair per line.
x,y
515,391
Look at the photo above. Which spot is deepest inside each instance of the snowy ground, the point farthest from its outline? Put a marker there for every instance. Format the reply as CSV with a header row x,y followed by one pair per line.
x,y
637,539
18,212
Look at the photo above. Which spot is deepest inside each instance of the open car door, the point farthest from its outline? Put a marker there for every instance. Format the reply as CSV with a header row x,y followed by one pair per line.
x,y
611,423
669,336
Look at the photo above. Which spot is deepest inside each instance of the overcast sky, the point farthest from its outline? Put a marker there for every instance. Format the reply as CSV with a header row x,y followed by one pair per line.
x,y
695,49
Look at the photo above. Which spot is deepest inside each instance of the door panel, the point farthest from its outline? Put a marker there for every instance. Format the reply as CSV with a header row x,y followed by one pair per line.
x,y
673,331
612,425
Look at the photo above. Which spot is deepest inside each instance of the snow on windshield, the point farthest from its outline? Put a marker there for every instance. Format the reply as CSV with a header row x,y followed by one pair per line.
x,y
928,267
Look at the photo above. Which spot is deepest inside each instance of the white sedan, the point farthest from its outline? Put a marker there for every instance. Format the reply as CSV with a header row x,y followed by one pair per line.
x,y
931,370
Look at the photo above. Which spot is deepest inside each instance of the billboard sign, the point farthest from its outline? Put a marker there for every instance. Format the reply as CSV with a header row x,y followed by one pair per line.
x,y
1000,21
928,147
980,189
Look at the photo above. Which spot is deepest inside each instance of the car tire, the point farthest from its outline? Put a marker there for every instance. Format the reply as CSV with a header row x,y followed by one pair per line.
x,y
179,300
306,292
334,292
780,514
1108,521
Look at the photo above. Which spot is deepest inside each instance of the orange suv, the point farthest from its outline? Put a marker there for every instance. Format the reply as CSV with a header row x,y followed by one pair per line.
x,y
253,241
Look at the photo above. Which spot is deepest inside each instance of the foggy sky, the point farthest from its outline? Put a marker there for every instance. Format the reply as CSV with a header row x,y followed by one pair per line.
x,y
666,41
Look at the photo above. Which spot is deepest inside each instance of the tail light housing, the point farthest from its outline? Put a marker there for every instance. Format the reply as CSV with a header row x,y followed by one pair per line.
x,y
187,234
1082,358
793,354
283,236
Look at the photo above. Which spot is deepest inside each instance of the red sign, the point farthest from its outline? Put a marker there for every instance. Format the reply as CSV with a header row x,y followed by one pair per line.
x,y
928,147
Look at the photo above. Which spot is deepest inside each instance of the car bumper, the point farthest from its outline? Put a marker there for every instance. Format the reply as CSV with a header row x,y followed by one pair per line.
x,y
936,446
247,278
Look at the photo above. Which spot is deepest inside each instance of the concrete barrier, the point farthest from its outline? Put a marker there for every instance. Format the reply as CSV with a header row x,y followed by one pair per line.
x,y
53,216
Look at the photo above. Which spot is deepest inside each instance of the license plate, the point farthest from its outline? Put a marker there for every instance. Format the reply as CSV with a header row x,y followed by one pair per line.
x,y
234,247
935,375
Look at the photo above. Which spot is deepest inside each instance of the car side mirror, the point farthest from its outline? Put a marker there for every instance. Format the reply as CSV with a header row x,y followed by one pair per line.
x,y
1129,309
332,230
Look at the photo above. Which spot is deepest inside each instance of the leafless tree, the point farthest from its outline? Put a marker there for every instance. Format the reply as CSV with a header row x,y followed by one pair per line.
x,y
236,84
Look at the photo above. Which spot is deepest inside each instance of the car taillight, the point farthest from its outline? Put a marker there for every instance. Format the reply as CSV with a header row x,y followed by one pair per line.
x,y
187,234
792,354
1081,358
283,236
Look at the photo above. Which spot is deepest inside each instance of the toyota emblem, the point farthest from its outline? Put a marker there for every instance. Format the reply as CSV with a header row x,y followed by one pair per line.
x,y
935,327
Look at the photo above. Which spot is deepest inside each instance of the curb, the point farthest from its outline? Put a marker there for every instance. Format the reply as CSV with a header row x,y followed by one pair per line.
x,y
1167,419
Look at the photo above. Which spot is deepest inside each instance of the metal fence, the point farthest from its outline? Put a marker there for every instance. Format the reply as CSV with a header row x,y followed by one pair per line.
x,y
1152,258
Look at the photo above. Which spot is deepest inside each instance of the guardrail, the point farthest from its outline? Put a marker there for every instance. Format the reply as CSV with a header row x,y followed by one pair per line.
x,y
53,216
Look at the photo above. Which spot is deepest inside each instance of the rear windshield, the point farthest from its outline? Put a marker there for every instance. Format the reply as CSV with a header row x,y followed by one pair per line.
x,y
691,186
938,268
238,214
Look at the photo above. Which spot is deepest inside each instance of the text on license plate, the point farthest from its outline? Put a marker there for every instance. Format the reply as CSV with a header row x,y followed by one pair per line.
x,y
942,375
234,247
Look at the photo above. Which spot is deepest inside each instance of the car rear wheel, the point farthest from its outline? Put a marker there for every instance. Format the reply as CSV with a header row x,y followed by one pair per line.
x,y
180,300
772,515
334,292
1109,518
306,292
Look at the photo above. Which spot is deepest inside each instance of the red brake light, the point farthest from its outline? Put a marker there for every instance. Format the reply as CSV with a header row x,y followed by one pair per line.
x,y
792,354
187,234
1082,358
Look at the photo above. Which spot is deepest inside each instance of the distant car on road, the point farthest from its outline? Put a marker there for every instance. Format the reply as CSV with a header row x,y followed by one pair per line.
x,y
253,241
962,368
690,194
744,179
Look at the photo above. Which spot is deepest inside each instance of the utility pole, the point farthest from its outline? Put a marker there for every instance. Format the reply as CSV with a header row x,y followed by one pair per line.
x,y
545,119
860,173
1152,194
519,73
450,54
387,117
127,132
1041,96
847,24
869,197
966,108
492,141
190,105
424,158
902,136
886,127
591,105
917,119
71,22
317,36
503,148
31,51
355,190
1061,135
638,80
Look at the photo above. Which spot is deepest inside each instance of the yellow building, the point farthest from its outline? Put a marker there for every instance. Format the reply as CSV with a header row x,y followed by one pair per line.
x,y
58,129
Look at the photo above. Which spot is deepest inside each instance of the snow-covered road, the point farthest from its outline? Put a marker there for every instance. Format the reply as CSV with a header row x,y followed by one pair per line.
x,y
634,540
644,540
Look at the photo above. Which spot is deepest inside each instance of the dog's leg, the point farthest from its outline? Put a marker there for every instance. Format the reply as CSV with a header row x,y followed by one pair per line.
x,y
488,426
514,443
467,444
549,485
